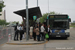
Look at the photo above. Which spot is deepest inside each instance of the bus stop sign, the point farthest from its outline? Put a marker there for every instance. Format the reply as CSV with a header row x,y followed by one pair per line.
x,y
47,17
34,17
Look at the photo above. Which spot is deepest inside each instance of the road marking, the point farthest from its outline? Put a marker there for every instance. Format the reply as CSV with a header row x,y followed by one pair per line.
x,y
2,44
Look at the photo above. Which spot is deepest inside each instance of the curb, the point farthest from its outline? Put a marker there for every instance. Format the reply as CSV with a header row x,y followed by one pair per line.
x,y
2,44
27,43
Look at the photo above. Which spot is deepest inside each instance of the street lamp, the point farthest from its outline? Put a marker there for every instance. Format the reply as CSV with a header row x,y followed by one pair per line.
x,y
48,13
48,7
37,3
1,1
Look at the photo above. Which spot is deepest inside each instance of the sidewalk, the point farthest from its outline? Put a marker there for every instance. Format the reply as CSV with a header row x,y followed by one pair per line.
x,y
24,45
25,42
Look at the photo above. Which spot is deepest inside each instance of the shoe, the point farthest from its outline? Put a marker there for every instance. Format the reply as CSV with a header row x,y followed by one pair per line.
x,y
17,40
38,40
14,40
47,40
34,39
42,40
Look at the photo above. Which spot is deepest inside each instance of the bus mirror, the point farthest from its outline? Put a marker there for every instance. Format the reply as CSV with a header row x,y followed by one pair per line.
x,y
69,19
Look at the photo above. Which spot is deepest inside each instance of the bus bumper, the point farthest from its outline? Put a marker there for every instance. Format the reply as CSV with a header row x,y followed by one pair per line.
x,y
60,35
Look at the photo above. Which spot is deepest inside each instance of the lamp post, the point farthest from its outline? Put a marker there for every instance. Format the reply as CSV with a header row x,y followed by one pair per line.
x,y
27,22
37,3
48,7
48,13
1,1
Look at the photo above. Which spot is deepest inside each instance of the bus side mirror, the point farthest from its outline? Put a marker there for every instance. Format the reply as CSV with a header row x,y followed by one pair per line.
x,y
69,19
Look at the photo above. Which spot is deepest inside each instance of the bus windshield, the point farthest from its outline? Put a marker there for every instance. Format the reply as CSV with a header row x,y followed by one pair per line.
x,y
59,24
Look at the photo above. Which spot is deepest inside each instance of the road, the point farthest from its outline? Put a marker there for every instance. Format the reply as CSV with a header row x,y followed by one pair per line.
x,y
53,44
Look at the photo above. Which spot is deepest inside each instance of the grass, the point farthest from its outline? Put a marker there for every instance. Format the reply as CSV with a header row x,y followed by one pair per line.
x,y
72,26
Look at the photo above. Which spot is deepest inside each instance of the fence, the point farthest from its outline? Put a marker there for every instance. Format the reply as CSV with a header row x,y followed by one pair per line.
x,y
4,31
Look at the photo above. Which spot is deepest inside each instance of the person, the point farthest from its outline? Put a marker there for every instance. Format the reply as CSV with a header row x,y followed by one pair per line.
x,y
48,31
31,31
37,33
21,32
34,33
16,32
42,32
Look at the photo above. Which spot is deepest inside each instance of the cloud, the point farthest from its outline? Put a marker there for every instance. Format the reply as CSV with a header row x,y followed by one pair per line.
x,y
60,6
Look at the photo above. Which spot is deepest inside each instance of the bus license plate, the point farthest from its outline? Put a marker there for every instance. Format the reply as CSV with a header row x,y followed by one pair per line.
x,y
58,36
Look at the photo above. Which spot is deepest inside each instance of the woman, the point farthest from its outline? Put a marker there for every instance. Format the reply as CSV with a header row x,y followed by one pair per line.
x,y
34,34
31,31
37,33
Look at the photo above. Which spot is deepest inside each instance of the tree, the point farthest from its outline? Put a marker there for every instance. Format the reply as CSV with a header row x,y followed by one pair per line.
x,y
44,17
3,22
1,6
15,22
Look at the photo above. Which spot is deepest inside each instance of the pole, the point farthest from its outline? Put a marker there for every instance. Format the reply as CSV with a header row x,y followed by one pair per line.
x,y
48,13
48,7
27,22
37,3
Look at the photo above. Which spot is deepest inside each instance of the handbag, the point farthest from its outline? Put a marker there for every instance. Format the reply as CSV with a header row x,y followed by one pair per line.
x,y
46,36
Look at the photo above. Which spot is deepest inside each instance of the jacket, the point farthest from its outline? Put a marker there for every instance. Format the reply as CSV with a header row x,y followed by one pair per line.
x,y
42,29
47,30
31,29
37,31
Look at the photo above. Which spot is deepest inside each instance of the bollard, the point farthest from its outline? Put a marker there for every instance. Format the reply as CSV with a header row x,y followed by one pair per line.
x,y
9,37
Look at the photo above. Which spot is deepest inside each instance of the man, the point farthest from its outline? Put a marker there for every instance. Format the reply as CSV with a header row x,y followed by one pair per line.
x,y
21,32
48,31
16,31
42,32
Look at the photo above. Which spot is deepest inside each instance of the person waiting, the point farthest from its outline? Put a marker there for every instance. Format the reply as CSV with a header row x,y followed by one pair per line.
x,y
42,32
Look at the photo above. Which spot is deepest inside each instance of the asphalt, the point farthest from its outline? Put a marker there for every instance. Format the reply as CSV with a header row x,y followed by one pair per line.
x,y
53,44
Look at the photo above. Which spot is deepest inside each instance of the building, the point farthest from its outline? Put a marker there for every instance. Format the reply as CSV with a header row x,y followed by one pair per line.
x,y
2,16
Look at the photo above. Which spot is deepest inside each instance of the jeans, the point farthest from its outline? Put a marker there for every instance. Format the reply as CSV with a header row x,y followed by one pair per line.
x,y
16,34
42,36
38,37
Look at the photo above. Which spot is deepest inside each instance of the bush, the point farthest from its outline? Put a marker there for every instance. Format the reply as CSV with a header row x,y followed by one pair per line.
x,y
3,22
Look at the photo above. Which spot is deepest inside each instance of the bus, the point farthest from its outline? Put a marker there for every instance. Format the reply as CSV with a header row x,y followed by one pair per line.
x,y
59,25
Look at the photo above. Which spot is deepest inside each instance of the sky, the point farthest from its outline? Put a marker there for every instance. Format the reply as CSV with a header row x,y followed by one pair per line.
x,y
59,6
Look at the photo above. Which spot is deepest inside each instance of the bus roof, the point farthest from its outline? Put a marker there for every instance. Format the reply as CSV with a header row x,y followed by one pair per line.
x,y
59,14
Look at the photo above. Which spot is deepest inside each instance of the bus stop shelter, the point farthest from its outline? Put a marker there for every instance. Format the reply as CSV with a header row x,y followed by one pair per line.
x,y
35,11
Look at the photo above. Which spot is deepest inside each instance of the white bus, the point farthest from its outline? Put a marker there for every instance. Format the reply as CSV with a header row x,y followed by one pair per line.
x,y
59,25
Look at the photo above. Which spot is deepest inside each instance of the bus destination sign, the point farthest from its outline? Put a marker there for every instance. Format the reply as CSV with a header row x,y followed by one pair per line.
x,y
58,16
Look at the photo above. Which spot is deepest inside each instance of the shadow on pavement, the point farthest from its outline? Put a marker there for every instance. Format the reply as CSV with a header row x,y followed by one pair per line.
x,y
58,38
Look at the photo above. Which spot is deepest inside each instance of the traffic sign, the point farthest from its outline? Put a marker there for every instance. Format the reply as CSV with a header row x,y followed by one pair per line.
x,y
47,17
34,17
